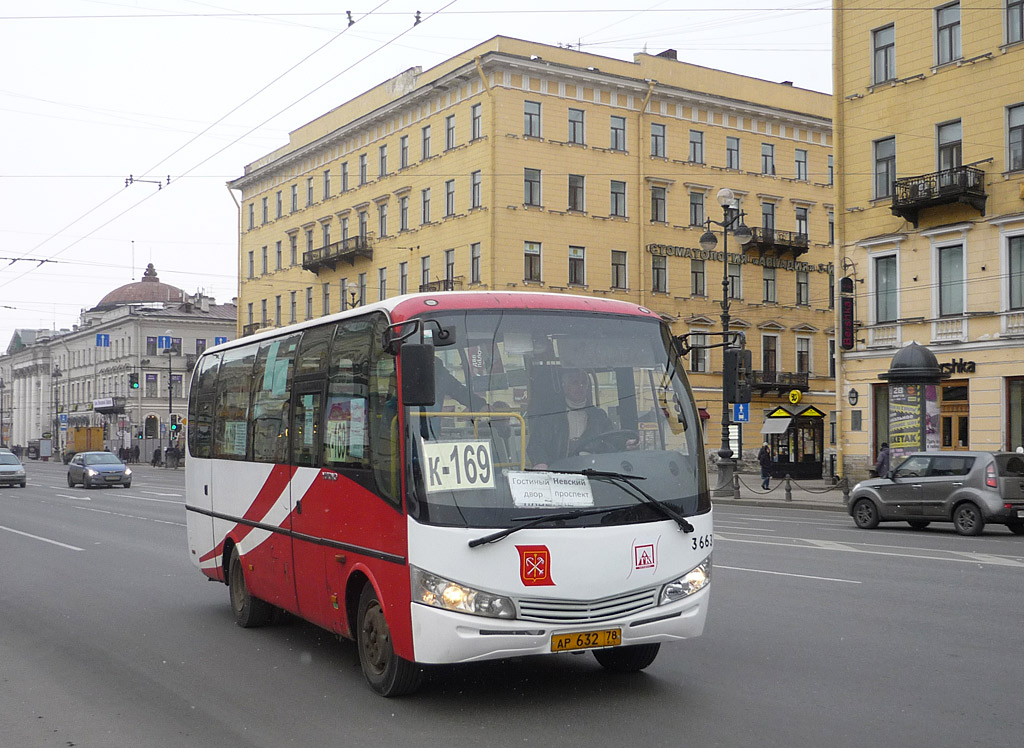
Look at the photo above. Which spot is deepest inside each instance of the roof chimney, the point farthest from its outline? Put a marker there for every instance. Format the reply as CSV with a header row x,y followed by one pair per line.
x,y
668,54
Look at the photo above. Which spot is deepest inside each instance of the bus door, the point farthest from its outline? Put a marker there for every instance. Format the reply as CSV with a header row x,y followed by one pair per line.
x,y
308,495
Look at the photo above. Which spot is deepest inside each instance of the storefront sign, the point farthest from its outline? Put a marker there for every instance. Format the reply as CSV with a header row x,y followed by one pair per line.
x,y
696,253
958,366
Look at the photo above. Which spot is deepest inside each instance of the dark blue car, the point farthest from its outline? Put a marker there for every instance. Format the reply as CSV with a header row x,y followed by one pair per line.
x,y
98,469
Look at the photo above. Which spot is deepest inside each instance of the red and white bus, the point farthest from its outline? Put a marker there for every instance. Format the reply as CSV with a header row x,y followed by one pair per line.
x,y
454,477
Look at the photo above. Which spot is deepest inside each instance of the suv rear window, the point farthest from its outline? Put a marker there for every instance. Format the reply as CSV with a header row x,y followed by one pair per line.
x,y
1012,464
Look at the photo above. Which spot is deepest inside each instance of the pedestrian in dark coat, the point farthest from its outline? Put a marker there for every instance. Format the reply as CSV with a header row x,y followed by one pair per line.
x,y
764,459
882,466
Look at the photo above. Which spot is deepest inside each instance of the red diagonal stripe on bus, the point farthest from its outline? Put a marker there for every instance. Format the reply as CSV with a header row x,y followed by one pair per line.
x,y
273,487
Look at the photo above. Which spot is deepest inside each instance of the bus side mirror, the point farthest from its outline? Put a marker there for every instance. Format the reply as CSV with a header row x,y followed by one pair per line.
x,y
417,368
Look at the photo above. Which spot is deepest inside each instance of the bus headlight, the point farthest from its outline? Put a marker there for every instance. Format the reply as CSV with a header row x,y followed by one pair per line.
x,y
430,589
692,581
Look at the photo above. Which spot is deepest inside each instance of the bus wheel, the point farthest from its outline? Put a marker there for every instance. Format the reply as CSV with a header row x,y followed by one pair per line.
x,y
387,674
630,659
249,611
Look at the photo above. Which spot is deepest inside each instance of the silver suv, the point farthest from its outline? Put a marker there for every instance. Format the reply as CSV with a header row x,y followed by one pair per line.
x,y
968,489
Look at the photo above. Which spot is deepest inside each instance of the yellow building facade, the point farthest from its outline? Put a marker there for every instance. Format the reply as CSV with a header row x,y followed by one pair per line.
x,y
929,119
519,166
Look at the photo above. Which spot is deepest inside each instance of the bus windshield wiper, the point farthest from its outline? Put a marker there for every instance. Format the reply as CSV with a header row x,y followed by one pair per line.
x,y
627,481
534,521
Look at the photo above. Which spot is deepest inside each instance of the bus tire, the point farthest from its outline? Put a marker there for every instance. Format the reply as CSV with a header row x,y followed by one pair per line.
x,y
387,673
630,659
250,612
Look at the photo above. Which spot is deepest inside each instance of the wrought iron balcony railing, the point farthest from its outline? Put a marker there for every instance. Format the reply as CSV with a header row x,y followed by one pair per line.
x,y
778,381
963,184
779,242
347,249
445,284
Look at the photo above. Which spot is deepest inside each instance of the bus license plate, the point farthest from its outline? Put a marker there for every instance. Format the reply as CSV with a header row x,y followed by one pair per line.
x,y
586,640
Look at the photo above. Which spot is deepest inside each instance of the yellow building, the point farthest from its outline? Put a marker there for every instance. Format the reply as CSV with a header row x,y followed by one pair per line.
x,y
929,128
522,166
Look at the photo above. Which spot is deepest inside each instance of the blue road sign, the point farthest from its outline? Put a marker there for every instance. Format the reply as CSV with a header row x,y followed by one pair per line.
x,y
102,340
163,341
741,412
218,341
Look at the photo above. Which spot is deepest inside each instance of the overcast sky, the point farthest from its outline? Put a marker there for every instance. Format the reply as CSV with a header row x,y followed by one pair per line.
x,y
96,90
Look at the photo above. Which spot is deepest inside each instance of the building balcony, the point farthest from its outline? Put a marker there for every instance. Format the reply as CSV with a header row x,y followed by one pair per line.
x,y
447,284
110,404
964,184
777,243
250,328
347,249
778,381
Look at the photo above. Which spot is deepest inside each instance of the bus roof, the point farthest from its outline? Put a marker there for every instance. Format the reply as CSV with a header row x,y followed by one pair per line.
x,y
400,308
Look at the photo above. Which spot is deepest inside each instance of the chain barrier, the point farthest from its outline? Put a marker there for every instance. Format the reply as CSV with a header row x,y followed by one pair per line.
x,y
787,484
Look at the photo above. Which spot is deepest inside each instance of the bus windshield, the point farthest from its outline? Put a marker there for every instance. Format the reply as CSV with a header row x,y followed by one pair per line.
x,y
528,401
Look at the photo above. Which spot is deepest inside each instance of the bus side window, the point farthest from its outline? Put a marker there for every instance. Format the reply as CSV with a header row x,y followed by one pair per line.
x,y
271,386
231,408
384,430
346,420
202,398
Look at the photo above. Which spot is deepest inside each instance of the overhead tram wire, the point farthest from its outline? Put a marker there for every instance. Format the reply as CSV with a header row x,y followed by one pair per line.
x,y
179,149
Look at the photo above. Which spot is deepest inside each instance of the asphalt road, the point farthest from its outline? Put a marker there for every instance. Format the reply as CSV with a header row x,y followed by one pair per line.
x,y
819,635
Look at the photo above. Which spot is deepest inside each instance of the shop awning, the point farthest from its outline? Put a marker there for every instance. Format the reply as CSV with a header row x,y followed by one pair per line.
x,y
703,413
775,425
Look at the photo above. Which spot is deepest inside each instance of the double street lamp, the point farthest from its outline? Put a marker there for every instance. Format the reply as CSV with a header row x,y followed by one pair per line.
x,y
732,220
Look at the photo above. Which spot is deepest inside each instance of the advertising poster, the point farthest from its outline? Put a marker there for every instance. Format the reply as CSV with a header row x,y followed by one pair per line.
x,y
906,420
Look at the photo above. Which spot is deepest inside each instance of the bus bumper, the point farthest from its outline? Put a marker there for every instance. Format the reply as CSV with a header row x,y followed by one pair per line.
x,y
441,636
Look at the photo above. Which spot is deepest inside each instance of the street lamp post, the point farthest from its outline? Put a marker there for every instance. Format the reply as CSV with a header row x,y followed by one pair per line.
x,y
2,412
732,218
57,374
170,397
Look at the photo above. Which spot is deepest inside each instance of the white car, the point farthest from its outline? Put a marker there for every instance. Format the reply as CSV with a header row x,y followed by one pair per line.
x,y
12,472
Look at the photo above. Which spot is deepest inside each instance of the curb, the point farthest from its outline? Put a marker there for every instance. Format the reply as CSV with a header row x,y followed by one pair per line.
x,y
829,507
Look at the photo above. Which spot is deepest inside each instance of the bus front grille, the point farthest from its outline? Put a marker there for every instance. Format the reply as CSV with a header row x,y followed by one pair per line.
x,y
587,611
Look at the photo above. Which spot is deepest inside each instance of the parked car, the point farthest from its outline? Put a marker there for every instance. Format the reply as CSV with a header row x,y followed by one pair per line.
x,y
12,472
98,469
969,489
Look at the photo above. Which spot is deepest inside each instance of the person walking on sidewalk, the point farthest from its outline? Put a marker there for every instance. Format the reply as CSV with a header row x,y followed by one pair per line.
x,y
882,466
764,458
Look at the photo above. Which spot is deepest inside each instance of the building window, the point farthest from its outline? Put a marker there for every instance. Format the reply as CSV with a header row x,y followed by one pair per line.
x,y
476,123
699,352
801,221
403,213
382,219
449,132
252,216
803,288
696,208
344,229
265,259
293,249
618,199
697,278
363,224
309,191
425,206
279,204
768,216
345,301
732,153
425,270
277,320
696,147
831,171
947,34
264,210
800,163
1015,135
425,143
618,132
886,289
1016,257
292,307
382,160
263,312
767,158
327,183
252,264
659,274
325,231
362,289
658,208
151,345
577,266
1014,21
277,256
768,281
831,227
531,261
832,365
619,269
658,140
344,177
531,186
449,198
576,134
531,119
382,283
474,262
951,280
403,278
735,281
403,152
769,353
363,169
885,167
309,240
576,193
475,189
295,197
950,147
803,355
883,43
449,266
309,302
325,298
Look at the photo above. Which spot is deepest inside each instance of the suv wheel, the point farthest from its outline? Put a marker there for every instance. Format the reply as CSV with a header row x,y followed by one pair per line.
x,y
865,514
967,519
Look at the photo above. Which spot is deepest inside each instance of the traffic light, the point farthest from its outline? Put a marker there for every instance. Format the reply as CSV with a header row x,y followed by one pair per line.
x,y
133,381
735,375
174,423
139,436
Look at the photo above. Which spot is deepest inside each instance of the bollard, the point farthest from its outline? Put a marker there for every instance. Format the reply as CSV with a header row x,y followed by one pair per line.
x,y
736,486
789,489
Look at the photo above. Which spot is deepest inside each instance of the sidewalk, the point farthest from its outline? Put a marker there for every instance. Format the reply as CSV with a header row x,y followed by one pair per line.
x,y
806,494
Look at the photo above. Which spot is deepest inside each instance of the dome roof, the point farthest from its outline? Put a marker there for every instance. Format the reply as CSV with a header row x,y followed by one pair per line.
x,y
914,363
148,290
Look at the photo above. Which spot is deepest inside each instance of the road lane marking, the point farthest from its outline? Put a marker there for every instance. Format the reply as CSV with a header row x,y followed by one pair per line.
x,y
45,540
146,498
130,516
788,574
76,498
158,493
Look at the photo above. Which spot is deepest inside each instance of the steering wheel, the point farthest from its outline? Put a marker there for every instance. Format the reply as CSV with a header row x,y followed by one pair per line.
x,y
616,440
